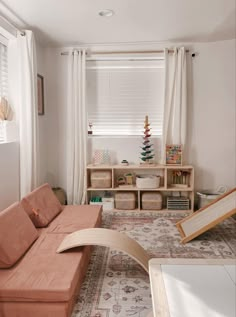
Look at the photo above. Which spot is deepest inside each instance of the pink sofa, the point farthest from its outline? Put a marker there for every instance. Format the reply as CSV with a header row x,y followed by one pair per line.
x,y
35,281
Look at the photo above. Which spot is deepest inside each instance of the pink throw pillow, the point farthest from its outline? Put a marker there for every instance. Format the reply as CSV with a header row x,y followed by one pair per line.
x,y
17,233
41,205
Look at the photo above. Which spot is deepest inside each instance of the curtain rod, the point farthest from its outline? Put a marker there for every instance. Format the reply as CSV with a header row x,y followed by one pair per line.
x,y
124,52
22,33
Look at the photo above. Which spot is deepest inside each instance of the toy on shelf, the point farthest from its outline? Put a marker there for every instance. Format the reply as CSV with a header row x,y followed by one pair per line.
x,y
147,154
126,180
124,163
129,178
101,157
174,153
121,180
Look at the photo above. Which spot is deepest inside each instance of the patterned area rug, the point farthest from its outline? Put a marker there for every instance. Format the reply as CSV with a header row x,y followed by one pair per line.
x,y
116,286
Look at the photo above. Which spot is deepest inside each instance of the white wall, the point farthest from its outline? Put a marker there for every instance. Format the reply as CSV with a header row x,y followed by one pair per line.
x,y
211,117
212,126
56,103
9,174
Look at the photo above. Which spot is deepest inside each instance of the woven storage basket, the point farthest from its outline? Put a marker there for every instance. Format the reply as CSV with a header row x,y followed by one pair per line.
x,y
60,194
101,179
151,201
125,200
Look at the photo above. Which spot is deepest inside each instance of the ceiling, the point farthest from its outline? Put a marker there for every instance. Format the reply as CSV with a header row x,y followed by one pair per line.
x,y
74,22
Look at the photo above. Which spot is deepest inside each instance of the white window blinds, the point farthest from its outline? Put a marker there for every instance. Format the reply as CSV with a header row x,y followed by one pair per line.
x,y
119,96
3,71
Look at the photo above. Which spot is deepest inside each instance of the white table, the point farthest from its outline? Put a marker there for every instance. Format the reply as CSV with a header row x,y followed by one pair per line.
x,y
193,287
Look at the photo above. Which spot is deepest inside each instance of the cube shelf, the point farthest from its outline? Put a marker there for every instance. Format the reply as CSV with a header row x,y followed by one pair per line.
x,y
175,181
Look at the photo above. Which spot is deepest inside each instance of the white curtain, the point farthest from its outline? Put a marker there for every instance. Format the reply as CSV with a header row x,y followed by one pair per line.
x,y
76,128
22,54
175,99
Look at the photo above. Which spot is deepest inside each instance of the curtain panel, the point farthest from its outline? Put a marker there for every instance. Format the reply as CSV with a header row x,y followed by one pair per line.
x,y
175,99
23,95
76,128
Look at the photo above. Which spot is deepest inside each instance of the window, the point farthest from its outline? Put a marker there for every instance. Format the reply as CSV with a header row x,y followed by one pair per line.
x,y
3,71
121,93
3,82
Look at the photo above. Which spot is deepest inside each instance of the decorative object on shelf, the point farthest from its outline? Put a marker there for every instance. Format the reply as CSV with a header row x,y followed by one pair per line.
x,y
125,181
174,154
124,163
8,129
180,178
40,94
90,131
101,157
5,110
147,154
120,180
129,178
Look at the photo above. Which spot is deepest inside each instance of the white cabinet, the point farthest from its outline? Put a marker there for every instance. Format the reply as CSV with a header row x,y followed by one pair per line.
x,y
176,183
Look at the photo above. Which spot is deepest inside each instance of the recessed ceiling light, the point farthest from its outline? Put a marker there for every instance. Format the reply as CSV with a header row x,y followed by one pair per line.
x,y
106,13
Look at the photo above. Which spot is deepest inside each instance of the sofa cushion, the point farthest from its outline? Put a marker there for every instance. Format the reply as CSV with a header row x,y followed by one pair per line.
x,y
75,218
41,205
17,233
44,275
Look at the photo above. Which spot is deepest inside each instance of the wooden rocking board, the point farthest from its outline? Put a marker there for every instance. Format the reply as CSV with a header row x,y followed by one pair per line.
x,y
108,238
208,216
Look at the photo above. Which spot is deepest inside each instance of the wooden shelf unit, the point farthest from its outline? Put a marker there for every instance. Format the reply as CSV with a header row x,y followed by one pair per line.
x,y
165,172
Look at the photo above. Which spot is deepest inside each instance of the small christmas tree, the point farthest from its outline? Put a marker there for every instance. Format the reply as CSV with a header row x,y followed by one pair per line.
x,y
147,153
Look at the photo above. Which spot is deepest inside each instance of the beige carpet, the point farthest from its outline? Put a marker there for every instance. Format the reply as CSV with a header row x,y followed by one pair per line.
x,y
116,286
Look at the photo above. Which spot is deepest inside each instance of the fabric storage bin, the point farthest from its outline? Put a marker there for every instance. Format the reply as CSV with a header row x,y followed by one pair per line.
x,y
208,196
101,179
108,203
147,181
151,201
125,200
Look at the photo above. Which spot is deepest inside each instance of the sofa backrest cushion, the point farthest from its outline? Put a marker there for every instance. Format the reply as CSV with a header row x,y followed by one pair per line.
x,y
41,205
17,233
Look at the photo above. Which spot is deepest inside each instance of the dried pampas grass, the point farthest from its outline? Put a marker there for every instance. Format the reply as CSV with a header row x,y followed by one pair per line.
x,y
5,109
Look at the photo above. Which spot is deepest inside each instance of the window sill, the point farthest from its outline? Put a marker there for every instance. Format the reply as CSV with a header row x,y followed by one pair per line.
x,y
8,142
91,136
